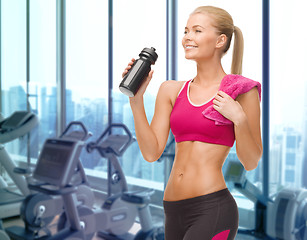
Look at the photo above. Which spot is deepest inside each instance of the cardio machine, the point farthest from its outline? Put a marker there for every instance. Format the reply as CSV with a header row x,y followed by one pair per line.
x,y
39,209
121,209
283,217
16,125
55,169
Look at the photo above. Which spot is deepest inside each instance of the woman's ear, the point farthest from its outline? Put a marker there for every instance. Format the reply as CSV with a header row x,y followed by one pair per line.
x,y
221,41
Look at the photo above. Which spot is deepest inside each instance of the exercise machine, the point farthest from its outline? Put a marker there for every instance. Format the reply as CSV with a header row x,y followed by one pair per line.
x,y
283,217
287,215
236,174
39,209
121,209
15,126
54,175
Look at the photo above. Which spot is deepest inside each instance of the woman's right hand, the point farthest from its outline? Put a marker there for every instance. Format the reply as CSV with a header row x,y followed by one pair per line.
x,y
144,85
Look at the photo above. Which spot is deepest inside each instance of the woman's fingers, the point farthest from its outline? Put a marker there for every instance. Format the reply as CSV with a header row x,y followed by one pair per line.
x,y
132,61
222,94
221,97
128,67
216,102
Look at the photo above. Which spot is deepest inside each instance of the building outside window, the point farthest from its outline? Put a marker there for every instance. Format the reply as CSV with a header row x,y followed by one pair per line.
x,y
136,26
13,67
87,70
288,102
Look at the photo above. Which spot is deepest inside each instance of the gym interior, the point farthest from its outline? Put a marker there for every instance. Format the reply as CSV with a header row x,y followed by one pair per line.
x,y
61,64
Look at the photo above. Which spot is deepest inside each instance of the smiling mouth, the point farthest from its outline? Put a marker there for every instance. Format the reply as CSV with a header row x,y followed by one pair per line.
x,y
189,46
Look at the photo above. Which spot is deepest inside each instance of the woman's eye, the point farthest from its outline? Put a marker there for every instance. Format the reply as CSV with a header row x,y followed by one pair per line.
x,y
198,31
185,32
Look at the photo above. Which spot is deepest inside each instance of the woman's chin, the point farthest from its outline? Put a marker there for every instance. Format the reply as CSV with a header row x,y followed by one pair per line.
x,y
189,57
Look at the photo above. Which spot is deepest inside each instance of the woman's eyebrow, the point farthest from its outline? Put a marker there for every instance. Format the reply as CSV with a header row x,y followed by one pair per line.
x,y
195,26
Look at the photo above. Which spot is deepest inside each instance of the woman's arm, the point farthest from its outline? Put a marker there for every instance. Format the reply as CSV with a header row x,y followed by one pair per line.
x,y
244,112
247,130
152,137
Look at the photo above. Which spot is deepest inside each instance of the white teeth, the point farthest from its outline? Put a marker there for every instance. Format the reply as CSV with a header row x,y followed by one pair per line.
x,y
189,46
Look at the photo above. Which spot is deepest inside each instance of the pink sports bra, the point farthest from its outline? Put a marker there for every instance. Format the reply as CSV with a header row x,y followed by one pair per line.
x,y
189,124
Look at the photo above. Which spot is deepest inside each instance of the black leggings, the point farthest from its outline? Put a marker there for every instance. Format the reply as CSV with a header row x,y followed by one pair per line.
x,y
210,217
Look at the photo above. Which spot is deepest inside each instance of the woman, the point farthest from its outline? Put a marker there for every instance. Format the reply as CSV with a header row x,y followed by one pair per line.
x,y
197,203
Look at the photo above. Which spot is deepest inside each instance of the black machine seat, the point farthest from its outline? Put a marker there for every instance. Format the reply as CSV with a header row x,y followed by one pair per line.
x,y
138,197
114,144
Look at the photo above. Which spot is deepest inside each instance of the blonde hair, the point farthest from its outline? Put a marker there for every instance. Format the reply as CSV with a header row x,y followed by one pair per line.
x,y
223,22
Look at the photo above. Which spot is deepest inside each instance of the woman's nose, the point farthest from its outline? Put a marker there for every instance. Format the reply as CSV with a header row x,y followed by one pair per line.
x,y
187,37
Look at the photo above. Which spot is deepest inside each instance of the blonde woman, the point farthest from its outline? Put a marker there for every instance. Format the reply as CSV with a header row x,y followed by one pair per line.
x,y
197,203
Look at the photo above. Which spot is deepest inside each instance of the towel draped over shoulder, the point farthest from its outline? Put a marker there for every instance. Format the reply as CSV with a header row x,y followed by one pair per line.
x,y
233,85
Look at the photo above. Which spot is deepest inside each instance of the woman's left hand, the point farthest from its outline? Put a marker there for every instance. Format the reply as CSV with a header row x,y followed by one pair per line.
x,y
228,107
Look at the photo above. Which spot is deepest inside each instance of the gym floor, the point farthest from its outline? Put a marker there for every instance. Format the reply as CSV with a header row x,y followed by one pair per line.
x,y
17,221
246,237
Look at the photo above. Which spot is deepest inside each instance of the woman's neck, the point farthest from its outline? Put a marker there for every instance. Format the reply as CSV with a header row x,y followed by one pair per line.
x,y
209,73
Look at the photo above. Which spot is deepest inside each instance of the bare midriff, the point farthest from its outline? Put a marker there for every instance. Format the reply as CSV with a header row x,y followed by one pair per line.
x,y
196,171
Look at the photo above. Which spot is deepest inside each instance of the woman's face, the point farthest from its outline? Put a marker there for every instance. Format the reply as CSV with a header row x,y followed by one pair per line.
x,y
200,38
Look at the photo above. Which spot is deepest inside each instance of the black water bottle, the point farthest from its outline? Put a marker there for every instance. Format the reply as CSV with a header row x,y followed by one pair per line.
x,y
138,72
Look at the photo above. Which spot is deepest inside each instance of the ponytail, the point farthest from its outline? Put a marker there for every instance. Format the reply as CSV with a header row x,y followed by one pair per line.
x,y
237,54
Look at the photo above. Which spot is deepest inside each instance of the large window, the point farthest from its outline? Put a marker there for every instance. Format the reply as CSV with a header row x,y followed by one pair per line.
x,y
13,56
30,69
138,24
42,69
87,69
13,65
39,65
288,90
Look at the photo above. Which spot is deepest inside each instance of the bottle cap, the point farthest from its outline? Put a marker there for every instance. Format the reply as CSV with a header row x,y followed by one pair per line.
x,y
150,53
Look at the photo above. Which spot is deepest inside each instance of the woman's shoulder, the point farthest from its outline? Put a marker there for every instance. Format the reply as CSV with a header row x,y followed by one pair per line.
x,y
173,82
171,88
172,85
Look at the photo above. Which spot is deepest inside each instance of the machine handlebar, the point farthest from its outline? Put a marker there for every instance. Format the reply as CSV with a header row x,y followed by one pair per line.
x,y
76,134
116,144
